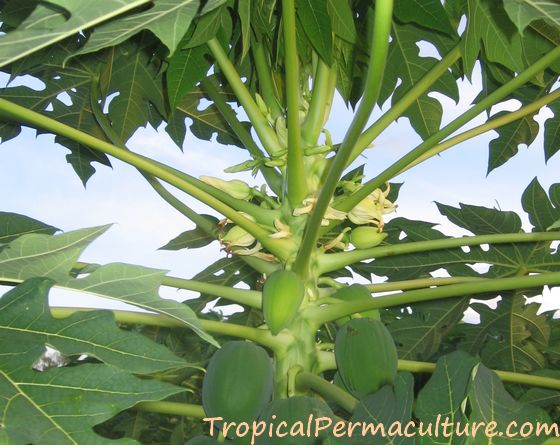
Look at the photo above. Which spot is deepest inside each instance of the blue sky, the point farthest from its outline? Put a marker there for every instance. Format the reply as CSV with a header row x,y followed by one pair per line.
x,y
35,180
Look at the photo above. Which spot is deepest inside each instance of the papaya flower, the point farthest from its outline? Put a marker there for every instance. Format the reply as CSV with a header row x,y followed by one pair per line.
x,y
235,187
331,213
283,230
372,209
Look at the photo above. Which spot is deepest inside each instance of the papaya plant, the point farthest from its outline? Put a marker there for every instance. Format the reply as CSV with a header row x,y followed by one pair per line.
x,y
343,314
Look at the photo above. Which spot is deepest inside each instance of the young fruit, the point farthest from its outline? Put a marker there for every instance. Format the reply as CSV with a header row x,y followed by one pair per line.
x,y
364,237
291,411
352,293
238,382
366,356
282,295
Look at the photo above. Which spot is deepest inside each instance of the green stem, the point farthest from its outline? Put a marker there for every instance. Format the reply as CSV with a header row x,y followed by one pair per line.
x,y
173,408
260,336
147,165
264,131
376,68
271,176
405,102
420,283
263,66
321,315
297,186
490,100
311,128
307,380
488,126
328,362
335,261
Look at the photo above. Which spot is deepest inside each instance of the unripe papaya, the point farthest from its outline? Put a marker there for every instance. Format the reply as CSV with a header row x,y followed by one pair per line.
x,y
364,237
282,295
238,382
295,411
355,292
366,356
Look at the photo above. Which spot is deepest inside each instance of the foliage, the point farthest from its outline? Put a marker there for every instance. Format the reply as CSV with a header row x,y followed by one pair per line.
x,y
110,68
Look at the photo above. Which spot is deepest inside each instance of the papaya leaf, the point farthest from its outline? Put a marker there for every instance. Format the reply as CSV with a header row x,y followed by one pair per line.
x,y
191,239
25,321
13,225
419,334
388,405
342,20
542,212
186,67
443,395
523,12
169,20
47,24
430,14
490,402
552,132
510,337
316,24
244,8
54,257
405,63
489,26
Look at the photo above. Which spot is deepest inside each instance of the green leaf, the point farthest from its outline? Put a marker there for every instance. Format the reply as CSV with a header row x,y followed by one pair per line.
x,y
419,332
26,324
186,68
510,136
510,337
169,20
523,12
552,132
137,79
191,239
342,20
489,401
489,25
48,25
13,225
427,13
444,394
405,63
244,8
542,212
388,405
543,397
481,220
55,256
205,122
316,24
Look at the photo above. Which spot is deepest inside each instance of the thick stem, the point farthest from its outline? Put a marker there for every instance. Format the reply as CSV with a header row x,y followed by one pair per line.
x,y
376,68
335,261
263,65
490,100
321,315
173,408
297,186
260,336
264,131
307,380
147,165
420,283
271,176
488,126
311,128
405,102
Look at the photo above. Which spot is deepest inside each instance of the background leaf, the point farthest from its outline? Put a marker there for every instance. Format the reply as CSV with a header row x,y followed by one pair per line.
x,y
523,12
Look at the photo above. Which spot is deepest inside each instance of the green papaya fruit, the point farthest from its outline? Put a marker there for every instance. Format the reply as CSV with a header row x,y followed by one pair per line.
x,y
295,411
238,382
282,295
352,293
366,356
365,237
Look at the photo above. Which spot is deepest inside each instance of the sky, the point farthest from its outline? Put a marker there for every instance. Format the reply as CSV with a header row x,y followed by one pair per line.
x,y
36,181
